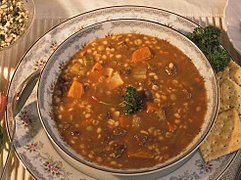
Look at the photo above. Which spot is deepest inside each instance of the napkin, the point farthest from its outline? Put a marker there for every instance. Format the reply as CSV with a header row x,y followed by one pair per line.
x,y
190,8
3,103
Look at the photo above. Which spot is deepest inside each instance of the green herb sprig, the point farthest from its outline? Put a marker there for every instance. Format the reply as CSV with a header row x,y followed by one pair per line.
x,y
207,39
132,101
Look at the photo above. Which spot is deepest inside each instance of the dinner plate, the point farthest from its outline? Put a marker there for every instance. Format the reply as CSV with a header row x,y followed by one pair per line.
x,y
32,145
232,22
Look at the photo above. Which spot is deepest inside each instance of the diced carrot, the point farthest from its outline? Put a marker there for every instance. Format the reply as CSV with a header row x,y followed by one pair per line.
x,y
151,107
139,154
97,67
108,73
124,121
141,54
76,89
170,127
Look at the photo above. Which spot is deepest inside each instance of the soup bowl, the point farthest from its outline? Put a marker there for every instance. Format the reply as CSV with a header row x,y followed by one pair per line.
x,y
61,57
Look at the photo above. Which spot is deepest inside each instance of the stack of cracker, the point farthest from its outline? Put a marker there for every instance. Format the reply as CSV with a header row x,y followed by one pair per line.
x,y
225,136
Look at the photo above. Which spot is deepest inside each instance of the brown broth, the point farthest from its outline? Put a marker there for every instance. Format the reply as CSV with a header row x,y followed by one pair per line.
x,y
92,121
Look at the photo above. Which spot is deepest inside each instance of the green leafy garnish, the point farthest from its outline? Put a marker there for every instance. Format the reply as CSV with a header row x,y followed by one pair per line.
x,y
207,39
132,101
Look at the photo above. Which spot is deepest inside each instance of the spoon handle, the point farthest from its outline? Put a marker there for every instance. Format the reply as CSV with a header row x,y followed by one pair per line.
x,y
18,101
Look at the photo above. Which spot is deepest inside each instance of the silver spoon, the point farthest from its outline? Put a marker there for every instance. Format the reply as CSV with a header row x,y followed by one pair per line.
x,y
18,101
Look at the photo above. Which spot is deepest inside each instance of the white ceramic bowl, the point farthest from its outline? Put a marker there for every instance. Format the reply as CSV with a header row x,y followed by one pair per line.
x,y
71,45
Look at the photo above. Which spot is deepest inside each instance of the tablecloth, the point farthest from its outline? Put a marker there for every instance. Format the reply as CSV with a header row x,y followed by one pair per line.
x,y
51,12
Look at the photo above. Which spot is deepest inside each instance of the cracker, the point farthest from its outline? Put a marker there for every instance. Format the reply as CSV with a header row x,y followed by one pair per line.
x,y
232,71
230,96
225,136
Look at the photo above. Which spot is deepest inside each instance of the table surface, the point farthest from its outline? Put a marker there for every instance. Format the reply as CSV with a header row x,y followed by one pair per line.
x,y
50,13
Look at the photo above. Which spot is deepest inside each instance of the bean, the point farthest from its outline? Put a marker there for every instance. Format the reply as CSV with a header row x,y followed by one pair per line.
x,y
118,56
116,123
144,132
157,95
95,122
173,97
89,128
70,109
72,142
155,88
163,97
151,129
138,41
104,57
177,115
171,65
101,48
82,146
177,121
91,156
157,100
111,122
88,115
198,108
113,163
89,51
98,130
61,108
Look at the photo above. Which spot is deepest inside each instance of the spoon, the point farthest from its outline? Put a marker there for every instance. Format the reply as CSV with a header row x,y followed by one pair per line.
x,y
19,99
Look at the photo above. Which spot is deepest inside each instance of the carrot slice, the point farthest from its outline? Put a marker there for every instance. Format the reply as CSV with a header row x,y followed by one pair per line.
x,y
124,121
76,90
151,107
141,54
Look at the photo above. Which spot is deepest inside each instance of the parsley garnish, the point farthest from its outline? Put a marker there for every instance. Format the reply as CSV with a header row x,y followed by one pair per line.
x,y
207,39
132,101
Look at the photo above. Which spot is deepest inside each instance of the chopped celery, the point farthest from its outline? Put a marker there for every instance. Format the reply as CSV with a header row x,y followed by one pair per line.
x,y
88,60
139,73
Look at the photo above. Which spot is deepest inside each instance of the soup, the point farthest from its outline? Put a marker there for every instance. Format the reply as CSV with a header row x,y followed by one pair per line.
x,y
129,101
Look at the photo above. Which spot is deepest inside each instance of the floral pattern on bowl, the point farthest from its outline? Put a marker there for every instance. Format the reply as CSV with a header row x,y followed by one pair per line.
x,y
71,45
29,129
